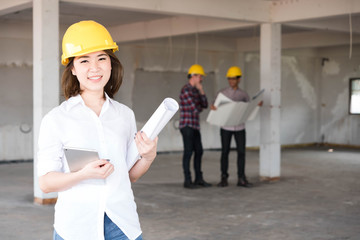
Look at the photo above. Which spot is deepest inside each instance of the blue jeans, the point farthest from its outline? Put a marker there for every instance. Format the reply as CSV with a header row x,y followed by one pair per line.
x,y
57,236
111,231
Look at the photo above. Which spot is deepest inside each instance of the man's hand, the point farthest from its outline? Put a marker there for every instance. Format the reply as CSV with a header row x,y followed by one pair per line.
x,y
199,87
212,107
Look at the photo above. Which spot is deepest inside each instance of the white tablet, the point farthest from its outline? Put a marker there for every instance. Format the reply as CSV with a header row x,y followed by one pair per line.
x,y
77,158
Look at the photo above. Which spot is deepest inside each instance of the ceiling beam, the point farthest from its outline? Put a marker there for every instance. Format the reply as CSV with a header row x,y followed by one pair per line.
x,y
338,25
174,26
290,10
300,40
317,39
10,6
240,10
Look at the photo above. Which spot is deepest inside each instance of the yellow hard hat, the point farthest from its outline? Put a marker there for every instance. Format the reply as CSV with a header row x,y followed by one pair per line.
x,y
85,37
196,69
234,72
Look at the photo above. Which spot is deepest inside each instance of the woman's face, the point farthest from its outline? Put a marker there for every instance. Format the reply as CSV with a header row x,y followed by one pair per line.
x,y
93,71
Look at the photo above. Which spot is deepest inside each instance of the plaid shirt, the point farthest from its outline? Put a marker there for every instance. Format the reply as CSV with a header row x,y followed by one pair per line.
x,y
191,104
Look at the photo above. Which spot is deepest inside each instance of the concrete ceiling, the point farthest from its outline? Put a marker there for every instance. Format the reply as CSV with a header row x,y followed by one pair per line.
x,y
239,19
74,12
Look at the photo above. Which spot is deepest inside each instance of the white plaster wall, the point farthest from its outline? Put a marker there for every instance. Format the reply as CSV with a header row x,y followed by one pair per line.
x,y
337,125
298,98
16,99
299,105
315,98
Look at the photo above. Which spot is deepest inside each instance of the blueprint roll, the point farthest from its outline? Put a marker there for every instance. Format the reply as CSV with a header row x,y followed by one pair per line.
x,y
153,126
160,118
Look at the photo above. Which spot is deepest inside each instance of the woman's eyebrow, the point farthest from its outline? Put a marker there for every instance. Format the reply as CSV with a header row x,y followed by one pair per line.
x,y
100,55
83,57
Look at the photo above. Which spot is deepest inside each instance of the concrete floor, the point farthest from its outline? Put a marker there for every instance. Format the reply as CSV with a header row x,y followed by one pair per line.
x,y
317,198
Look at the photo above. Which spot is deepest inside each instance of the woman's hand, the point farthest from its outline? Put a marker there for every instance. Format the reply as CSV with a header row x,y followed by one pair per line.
x,y
147,151
212,107
99,169
59,181
146,146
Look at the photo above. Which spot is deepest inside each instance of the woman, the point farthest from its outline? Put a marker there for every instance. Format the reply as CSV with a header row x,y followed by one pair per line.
x,y
97,201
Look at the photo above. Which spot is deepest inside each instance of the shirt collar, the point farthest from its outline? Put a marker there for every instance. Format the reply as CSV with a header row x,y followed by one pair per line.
x,y
234,90
73,101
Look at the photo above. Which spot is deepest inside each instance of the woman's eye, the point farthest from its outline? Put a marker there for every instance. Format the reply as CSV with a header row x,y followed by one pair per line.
x,y
84,61
103,58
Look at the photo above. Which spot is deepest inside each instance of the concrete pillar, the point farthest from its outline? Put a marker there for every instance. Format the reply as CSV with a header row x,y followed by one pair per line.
x,y
45,74
270,80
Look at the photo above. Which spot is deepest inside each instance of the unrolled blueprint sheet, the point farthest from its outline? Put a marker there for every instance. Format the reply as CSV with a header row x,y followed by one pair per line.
x,y
231,113
153,126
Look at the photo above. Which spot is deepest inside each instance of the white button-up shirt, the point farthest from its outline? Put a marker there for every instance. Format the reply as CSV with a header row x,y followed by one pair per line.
x,y
79,211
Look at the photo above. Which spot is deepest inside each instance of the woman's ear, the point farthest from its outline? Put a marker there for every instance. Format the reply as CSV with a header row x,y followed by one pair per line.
x,y
73,71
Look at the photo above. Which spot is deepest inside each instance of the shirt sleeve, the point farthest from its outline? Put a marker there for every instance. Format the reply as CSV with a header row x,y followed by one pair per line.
x,y
216,95
132,154
50,149
203,101
247,98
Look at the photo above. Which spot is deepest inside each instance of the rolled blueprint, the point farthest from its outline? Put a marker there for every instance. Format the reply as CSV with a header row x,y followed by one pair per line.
x,y
153,126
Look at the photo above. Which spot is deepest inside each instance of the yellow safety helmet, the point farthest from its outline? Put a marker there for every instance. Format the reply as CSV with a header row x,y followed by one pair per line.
x,y
234,72
196,69
85,37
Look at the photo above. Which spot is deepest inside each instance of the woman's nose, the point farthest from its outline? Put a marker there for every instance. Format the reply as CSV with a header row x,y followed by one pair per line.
x,y
94,66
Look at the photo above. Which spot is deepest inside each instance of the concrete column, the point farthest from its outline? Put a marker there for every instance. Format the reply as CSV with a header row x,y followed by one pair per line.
x,y
270,80
45,74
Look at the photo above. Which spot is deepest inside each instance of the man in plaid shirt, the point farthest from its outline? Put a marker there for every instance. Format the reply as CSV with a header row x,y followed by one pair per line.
x,y
192,101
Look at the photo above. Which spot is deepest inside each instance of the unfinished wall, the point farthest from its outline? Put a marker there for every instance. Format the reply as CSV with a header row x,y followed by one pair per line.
x,y
158,69
298,95
16,99
314,91
337,125
314,95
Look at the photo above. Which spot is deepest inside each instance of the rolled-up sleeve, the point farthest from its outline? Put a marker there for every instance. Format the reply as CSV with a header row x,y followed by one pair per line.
x,y
50,149
132,150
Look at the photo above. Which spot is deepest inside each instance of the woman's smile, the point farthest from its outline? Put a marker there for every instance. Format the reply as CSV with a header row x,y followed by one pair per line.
x,y
96,78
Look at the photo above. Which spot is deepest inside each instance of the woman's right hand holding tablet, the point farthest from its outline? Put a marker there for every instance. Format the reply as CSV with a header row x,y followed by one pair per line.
x,y
99,169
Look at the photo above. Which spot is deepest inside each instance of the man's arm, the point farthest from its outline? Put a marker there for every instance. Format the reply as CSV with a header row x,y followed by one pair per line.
x,y
203,98
203,101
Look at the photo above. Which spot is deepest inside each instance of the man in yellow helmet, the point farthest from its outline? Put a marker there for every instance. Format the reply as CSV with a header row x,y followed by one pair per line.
x,y
192,101
236,94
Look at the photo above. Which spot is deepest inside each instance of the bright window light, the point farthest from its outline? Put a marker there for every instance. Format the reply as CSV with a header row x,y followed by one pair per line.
x,y
354,96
